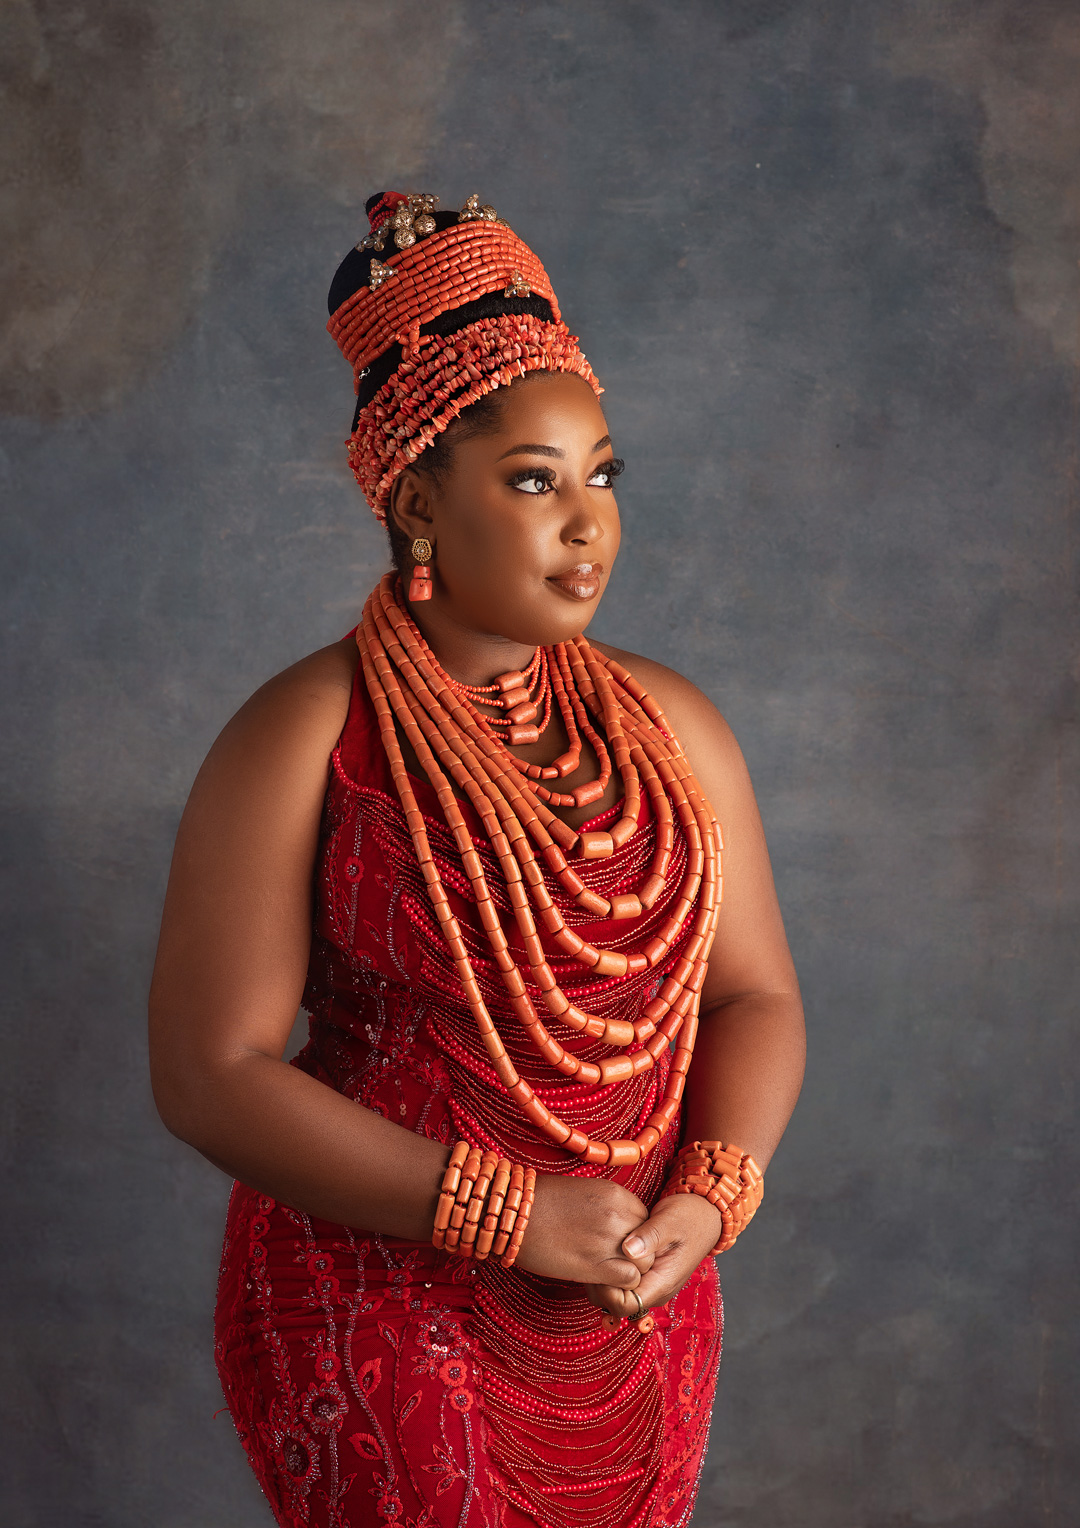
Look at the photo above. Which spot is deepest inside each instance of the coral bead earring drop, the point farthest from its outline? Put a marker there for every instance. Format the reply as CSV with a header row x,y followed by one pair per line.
x,y
420,583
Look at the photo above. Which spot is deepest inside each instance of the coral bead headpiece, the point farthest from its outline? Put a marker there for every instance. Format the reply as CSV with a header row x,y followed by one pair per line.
x,y
458,306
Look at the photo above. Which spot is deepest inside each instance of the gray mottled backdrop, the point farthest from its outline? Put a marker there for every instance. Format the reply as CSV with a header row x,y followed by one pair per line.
x,y
824,256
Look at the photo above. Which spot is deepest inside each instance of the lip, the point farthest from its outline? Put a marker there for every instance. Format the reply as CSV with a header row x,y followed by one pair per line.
x,y
581,582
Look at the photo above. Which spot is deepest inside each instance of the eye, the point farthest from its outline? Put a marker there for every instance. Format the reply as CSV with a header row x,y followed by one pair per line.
x,y
534,482
604,476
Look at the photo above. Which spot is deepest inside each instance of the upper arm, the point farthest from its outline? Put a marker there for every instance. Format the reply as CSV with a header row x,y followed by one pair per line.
x,y
236,927
750,954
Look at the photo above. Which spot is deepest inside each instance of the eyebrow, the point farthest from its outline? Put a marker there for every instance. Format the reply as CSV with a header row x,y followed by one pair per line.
x,y
536,450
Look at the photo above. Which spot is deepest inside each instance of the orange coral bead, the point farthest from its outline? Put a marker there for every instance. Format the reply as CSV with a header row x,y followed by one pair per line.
x,y
610,963
595,845
589,902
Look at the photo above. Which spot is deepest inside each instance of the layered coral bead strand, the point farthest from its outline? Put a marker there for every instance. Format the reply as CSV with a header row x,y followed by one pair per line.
x,y
551,834
573,946
404,683
675,1082
573,716
511,694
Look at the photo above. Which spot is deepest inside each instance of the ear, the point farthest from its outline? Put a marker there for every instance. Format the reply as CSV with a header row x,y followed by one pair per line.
x,y
410,504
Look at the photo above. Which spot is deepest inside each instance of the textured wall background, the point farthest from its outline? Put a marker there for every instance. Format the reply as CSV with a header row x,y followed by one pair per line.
x,y
825,258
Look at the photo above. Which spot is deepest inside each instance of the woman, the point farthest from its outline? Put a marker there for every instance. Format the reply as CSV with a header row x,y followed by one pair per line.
x,y
467,1275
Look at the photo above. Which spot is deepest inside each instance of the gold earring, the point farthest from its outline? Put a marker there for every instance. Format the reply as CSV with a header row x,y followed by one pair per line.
x,y
420,586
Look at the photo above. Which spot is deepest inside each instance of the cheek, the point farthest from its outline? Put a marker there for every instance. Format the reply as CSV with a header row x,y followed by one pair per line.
x,y
498,547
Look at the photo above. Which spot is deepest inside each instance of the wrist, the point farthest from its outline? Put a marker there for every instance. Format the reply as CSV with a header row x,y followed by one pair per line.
x,y
484,1205
700,1213
725,1177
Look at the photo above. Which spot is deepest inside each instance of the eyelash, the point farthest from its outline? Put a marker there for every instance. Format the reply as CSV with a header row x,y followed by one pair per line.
x,y
610,469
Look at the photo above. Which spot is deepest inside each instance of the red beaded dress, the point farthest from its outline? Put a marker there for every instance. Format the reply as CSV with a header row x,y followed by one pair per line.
x,y
378,1380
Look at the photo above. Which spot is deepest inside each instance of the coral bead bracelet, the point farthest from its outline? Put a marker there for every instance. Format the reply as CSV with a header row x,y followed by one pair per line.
x,y
484,1205
725,1176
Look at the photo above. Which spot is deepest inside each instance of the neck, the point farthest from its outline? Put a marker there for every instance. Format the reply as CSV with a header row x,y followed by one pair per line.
x,y
473,657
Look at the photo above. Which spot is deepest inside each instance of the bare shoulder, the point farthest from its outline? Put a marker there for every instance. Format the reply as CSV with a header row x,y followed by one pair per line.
x,y
297,715
321,682
699,726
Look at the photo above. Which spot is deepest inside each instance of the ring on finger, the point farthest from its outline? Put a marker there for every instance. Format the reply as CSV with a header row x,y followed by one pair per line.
x,y
642,1308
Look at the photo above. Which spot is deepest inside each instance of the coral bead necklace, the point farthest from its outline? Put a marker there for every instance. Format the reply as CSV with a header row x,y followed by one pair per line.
x,y
455,742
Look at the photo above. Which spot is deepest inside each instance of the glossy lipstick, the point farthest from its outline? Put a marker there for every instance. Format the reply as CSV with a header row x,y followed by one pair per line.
x,y
581,582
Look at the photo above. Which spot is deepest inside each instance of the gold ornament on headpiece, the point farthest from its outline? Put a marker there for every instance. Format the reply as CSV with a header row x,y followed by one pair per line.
x,y
412,220
474,212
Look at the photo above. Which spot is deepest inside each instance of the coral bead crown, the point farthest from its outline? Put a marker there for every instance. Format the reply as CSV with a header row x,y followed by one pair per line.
x,y
410,277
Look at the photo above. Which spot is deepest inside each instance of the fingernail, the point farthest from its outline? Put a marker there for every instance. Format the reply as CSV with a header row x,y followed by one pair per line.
x,y
634,1246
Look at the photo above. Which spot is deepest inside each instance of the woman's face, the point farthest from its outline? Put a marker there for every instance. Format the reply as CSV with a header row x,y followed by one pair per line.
x,y
525,525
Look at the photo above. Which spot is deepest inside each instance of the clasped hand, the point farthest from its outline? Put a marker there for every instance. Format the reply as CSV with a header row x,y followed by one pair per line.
x,y
596,1233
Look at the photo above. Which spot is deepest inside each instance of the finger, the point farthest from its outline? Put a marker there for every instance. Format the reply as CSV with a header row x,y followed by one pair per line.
x,y
619,1272
658,1287
639,1249
643,1244
655,1288
617,1302
606,1298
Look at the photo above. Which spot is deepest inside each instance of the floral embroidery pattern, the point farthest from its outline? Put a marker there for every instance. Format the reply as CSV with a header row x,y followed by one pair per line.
x,y
334,1350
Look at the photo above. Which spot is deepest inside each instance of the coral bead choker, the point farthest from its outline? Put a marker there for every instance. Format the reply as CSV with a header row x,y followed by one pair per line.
x,y
510,694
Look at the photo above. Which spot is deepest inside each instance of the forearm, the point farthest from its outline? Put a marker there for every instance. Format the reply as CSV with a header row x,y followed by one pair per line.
x,y
290,1136
746,1073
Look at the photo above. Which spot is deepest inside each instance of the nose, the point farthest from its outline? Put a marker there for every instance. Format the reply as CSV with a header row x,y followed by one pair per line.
x,y
583,526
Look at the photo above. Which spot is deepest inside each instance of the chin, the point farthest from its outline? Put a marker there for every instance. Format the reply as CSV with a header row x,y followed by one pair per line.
x,y
548,627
